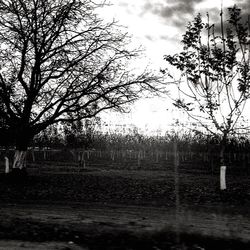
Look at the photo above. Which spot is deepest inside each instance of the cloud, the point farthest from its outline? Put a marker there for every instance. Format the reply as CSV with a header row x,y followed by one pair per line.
x,y
165,21
179,7
164,37
149,37
179,12
245,7
215,18
243,3
174,12
123,4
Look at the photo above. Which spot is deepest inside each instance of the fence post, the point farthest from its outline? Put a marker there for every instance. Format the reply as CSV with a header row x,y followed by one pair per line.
x,y
83,163
212,163
33,155
112,155
139,159
157,156
44,154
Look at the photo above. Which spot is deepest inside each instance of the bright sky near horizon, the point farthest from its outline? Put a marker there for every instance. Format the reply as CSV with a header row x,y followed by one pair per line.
x,y
158,26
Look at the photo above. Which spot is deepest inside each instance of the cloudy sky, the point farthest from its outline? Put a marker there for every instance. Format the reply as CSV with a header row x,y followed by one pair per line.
x,y
158,26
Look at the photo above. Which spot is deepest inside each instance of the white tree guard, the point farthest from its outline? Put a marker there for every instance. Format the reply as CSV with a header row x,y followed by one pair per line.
x,y
223,177
19,159
7,165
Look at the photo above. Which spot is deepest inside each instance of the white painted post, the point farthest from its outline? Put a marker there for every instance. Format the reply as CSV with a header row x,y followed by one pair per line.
x,y
223,178
83,160
139,159
33,155
7,165
44,154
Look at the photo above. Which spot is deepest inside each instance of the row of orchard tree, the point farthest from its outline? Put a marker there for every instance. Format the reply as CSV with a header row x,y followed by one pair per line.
x,y
61,63
85,137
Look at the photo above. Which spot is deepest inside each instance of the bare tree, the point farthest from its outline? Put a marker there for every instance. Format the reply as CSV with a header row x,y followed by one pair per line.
x,y
59,58
215,62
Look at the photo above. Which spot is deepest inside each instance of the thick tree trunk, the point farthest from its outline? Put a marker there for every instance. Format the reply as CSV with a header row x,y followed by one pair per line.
x,y
19,161
23,139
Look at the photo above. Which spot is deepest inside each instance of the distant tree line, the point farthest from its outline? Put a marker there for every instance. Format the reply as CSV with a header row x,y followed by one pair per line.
x,y
85,136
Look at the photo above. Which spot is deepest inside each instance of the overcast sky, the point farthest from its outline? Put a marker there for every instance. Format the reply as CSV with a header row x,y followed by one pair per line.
x,y
158,25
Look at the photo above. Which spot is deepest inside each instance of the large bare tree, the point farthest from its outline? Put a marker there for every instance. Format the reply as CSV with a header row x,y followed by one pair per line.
x,y
60,62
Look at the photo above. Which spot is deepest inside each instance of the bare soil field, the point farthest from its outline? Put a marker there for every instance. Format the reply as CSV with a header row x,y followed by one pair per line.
x,y
26,245
122,209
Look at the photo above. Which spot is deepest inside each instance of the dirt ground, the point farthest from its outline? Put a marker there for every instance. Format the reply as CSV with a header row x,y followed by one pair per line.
x,y
126,210
96,220
26,245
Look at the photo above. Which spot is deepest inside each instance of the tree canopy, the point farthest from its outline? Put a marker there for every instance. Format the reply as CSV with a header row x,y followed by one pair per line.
x,y
214,65
60,62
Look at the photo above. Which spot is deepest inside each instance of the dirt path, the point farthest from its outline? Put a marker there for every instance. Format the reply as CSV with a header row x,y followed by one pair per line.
x,y
25,245
133,219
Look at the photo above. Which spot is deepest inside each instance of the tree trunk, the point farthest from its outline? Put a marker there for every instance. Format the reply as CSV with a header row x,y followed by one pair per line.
x,y
222,166
23,139
222,153
19,159
7,165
